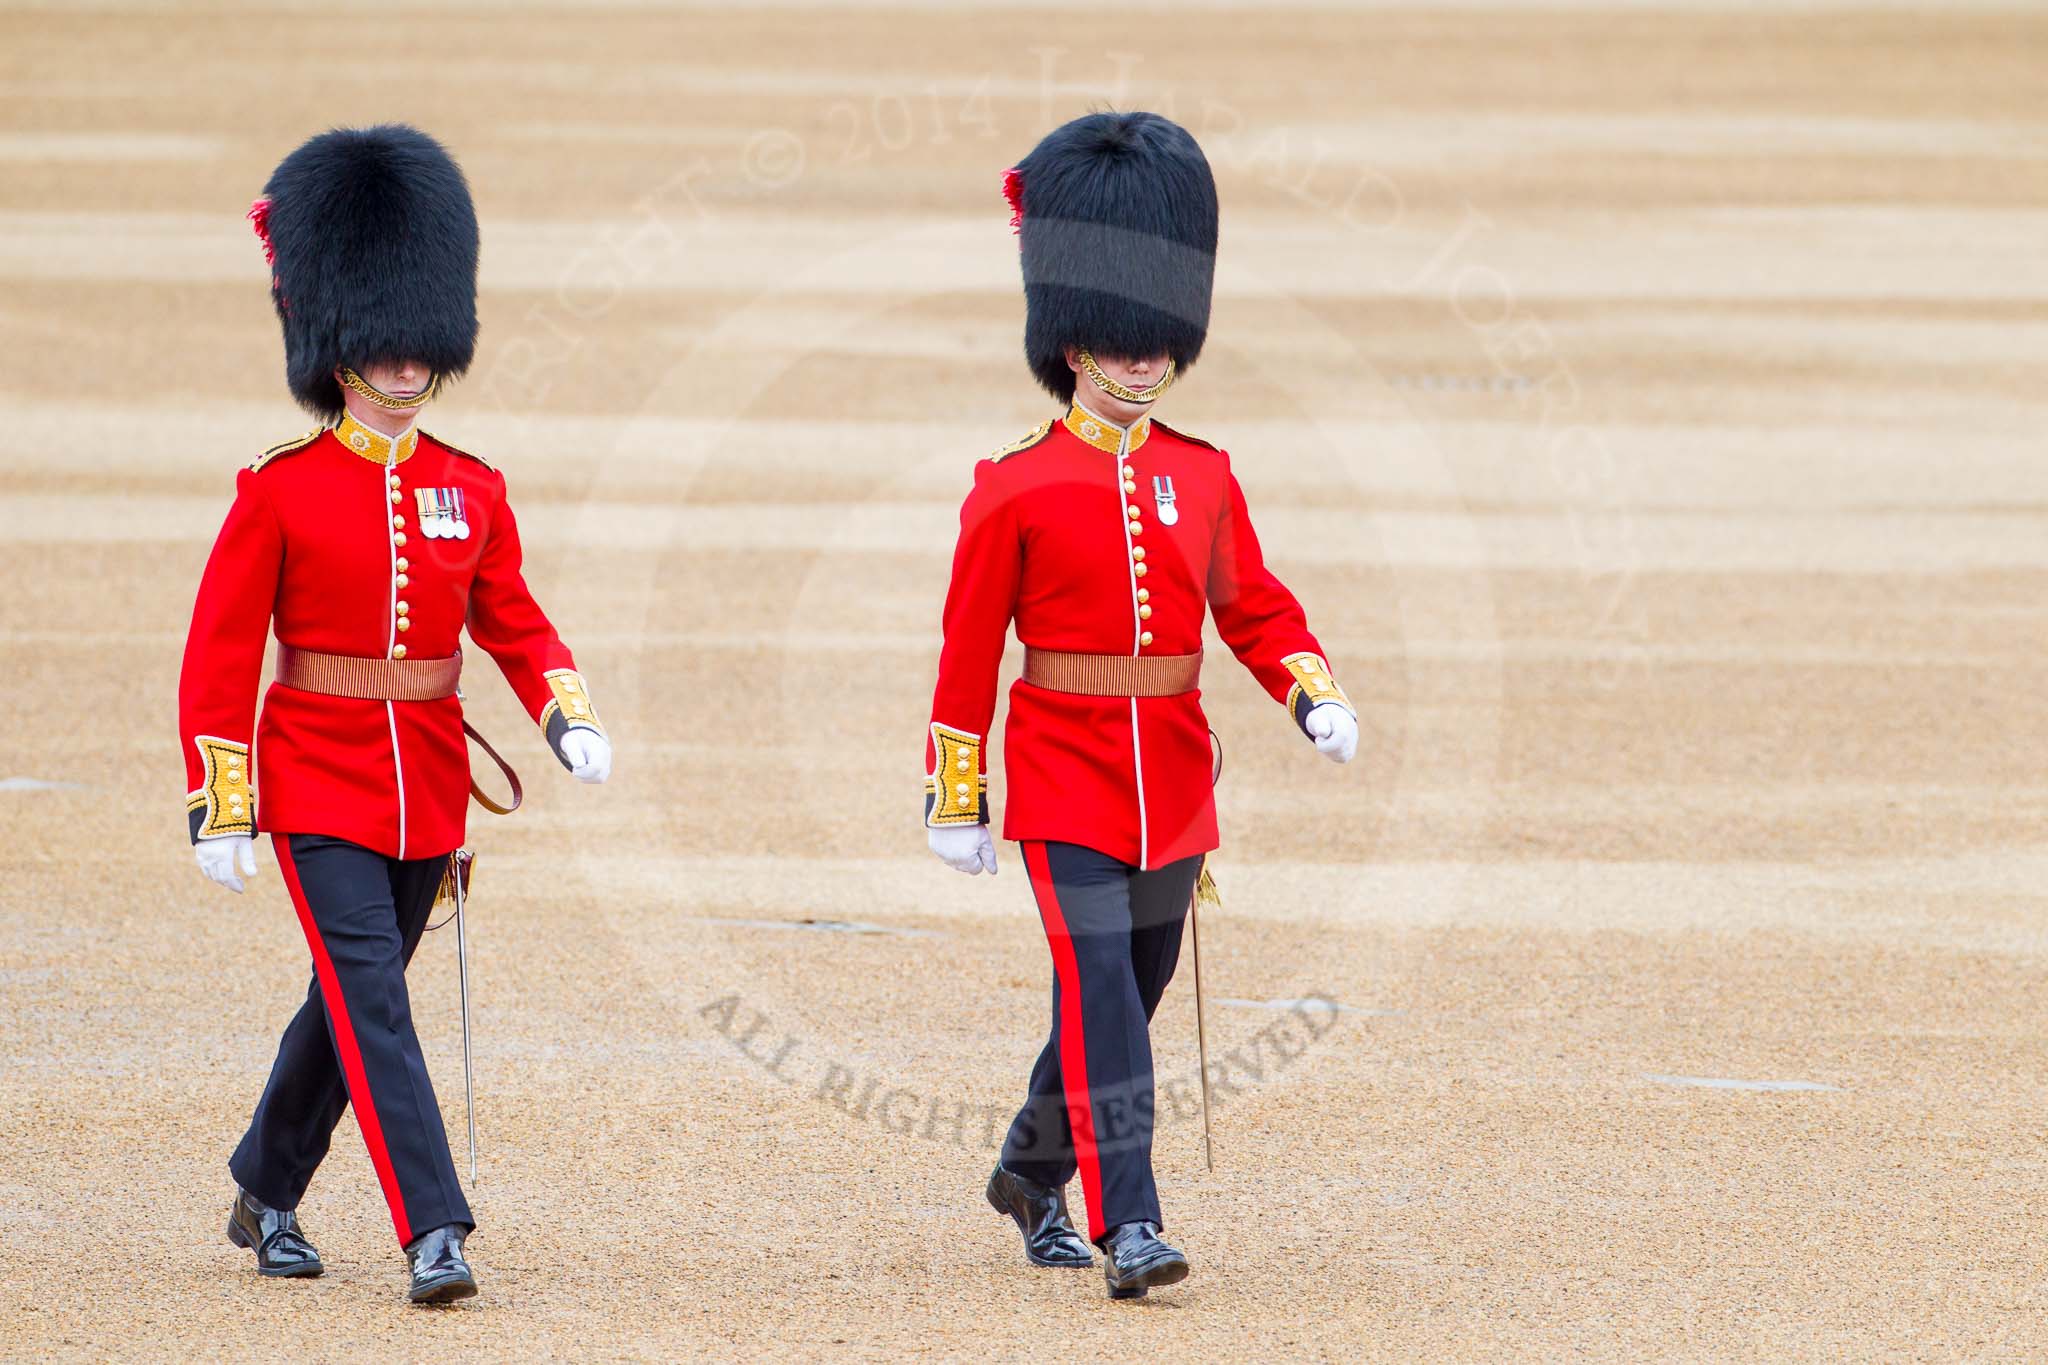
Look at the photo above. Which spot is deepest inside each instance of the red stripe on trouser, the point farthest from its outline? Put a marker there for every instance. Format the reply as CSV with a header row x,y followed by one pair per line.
x,y
345,1043
1073,1043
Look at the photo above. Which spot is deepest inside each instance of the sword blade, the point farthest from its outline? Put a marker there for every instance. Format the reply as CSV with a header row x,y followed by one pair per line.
x,y
1201,1032
468,1064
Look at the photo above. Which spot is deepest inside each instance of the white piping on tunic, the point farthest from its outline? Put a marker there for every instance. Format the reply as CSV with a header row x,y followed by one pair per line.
x,y
1123,453
398,766
390,711
1138,761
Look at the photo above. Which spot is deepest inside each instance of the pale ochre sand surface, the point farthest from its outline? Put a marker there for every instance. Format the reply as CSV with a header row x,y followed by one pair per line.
x,y
1645,401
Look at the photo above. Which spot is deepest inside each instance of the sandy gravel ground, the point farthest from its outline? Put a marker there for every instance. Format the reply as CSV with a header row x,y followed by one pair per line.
x,y
1645,402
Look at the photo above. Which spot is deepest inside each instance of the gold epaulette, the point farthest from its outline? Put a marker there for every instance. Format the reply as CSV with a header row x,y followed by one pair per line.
x,y
1191,440
1024,442
287,447
456,450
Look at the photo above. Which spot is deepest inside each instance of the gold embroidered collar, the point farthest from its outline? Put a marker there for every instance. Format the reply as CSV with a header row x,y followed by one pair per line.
x,y
373,445
1104,434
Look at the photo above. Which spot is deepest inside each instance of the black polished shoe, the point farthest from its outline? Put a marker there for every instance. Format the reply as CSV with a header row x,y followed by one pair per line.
x,y
1138,1261
274,1235
1040,1212
439,1274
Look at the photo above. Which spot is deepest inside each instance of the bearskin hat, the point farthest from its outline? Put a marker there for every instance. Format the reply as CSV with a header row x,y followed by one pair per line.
x,y
1116,217
372,240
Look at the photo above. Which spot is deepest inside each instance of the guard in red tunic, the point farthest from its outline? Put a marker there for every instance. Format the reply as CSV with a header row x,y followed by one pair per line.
x,y
1106,536
368,546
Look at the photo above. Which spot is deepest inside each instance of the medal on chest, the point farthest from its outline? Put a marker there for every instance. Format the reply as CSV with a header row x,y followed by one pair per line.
x,y
442,514
1163,499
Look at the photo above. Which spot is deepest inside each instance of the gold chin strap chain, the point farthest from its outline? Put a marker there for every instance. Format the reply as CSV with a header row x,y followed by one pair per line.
x,y
385,400
1116,390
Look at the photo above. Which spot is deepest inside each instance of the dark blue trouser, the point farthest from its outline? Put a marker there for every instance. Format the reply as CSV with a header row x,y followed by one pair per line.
x,y
1115,938
352,1041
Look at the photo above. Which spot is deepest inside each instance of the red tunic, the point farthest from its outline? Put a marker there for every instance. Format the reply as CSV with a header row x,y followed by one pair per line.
x,y
1100,541
351,544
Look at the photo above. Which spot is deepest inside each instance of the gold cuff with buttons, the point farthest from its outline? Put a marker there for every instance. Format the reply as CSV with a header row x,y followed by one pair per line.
x,y
225,802
570,702
956,791
570,708
1313,686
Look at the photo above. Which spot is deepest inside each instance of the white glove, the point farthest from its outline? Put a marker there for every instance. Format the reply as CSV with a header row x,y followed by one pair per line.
x,y
1335,731
964,848
218,859
589,754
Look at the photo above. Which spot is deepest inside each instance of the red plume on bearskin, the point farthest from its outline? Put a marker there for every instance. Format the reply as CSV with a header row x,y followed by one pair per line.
x,y
259,218
1013,190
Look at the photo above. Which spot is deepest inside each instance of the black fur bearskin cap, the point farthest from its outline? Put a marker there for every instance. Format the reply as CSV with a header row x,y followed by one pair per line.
x,y
372,239
1116,215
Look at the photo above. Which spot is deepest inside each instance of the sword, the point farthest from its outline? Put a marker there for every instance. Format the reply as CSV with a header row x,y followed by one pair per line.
x,y
459,863
461,859
1205,889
